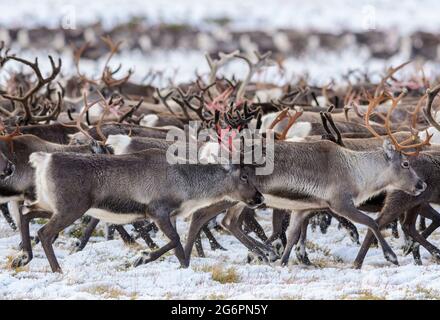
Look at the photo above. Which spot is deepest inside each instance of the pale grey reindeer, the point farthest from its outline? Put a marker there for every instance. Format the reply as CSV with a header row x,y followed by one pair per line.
x,y
126,188
17,178
311,176
123,144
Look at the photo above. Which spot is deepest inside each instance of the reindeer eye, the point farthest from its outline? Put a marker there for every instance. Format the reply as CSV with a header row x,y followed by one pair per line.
x,y
405,164
244,177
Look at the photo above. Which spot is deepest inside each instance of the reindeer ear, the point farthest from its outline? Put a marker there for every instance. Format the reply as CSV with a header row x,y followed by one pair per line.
x,y
389,149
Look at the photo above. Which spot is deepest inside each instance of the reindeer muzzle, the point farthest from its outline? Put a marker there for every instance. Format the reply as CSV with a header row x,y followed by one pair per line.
x,y
256,202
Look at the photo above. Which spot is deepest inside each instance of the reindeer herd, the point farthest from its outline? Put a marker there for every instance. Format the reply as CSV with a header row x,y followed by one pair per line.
x,y
95,149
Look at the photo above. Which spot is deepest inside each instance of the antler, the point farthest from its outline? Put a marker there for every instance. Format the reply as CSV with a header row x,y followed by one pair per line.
x,y
262,61
8,137
78,121
25,98
163,100
77,58
292,119
399,146
432,93
391,71
216,64
185,99
107,73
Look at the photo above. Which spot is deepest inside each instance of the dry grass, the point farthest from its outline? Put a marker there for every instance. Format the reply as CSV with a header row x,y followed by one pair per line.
x,y
223,276
105,291
214,296
427,294
363,295
219,273
8,265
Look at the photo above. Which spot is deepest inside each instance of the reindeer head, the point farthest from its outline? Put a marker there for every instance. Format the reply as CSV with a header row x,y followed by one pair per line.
x,y
400,173
243,185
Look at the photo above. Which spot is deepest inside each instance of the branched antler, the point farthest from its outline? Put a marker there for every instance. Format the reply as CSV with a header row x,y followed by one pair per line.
x,y
163,99
107,72
262,61
391,71
431,93
25,99
216,64
403,146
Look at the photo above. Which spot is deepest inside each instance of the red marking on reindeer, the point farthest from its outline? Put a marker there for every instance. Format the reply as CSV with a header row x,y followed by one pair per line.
x,y
218,103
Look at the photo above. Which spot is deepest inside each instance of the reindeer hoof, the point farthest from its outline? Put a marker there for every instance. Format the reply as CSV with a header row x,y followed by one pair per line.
x,y
257,257
408,247
77,246
57,270
354,236
279,248
418,261
20,261
143,259
391,257
218,247
436,256
357,265
303,258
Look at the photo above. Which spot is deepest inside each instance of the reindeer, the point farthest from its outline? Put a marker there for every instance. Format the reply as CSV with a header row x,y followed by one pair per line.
x,y
131,188
398,202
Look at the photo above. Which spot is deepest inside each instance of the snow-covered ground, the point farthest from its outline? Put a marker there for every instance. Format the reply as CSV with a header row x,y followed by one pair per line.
x,y
103,271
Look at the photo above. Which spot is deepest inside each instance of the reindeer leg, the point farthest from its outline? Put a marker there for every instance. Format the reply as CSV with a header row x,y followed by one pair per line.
x,y
409,226
144,233
5,210
126,237
430,213
385,217
422,224
280,222
347,225
427,212
82,242
50,230
251,224
212,240
110,231
349,211
294,231
325,219
394,230
199,246
231,223
300,250
198,220
164,223
26,255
